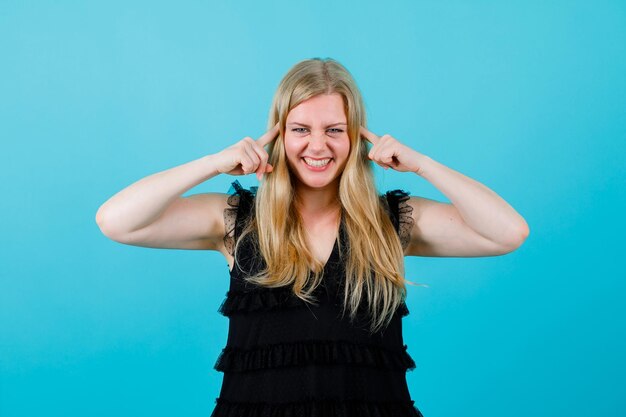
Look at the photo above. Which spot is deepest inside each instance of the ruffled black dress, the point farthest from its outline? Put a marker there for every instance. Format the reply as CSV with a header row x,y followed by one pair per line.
x,y
287,358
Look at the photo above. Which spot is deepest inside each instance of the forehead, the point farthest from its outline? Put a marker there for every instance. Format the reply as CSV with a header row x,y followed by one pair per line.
x,y
323,108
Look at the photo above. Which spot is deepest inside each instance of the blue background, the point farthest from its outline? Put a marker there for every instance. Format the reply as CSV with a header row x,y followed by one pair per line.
x,y
527,97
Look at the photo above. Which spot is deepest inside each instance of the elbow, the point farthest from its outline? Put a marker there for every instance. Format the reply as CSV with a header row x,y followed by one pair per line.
x,y
523,231
100,219
518,237
104,225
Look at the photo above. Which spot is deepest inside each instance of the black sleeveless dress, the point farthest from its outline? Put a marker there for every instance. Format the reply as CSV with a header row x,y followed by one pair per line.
x,y
287,358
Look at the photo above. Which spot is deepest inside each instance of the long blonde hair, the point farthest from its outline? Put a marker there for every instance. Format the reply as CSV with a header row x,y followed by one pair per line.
x,y
374,256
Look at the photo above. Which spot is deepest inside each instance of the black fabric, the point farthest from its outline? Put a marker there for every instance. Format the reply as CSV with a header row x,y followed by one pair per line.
x,y
395,203
288,358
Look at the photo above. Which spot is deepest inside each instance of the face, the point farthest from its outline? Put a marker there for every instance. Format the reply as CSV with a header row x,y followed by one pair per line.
x,y
316,141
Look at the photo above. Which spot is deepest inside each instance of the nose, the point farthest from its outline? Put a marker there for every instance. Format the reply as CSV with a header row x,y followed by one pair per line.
x,y
317,141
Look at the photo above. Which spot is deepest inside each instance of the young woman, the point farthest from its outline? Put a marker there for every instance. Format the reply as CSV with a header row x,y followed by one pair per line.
x,y
315,253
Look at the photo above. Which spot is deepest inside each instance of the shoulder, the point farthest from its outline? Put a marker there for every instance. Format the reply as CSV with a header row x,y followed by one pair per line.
x,y
400,211
239,195
240,201
395,203
239,209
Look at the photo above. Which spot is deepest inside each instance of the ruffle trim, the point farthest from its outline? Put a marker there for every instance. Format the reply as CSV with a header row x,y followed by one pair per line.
x,y
401,213
234,218
266,299
313,352
270,299
317,407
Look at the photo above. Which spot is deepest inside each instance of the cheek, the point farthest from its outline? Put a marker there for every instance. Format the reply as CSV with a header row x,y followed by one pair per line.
x,y
344,147
288,145
292,147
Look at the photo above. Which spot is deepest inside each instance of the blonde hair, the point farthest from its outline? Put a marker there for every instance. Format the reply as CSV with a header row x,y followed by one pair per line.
x,y
374,256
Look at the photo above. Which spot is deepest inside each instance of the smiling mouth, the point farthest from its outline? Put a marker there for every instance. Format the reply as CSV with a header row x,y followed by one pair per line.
x,y
317,163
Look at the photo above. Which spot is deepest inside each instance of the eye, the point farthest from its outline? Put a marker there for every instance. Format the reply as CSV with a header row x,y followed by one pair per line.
x,y
303,129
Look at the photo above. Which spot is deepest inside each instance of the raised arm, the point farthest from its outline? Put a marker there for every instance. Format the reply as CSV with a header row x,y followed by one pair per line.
x,y
477,222
152,212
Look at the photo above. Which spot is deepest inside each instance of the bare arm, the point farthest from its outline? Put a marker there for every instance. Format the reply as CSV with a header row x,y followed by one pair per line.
x,y
477,222
152,213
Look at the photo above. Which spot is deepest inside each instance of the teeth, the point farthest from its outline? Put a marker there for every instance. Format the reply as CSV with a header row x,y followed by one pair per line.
x,y
315,163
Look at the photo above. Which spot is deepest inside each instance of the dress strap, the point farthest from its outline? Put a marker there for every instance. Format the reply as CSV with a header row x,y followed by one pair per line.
x,y
240,211
400,213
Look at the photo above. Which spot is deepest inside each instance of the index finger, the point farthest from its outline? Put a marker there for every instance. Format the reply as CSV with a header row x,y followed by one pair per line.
x,y
268,136
369,135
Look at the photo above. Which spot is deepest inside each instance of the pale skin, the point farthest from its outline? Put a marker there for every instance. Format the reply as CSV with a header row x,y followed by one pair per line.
x,y
476,222
152,213
316,129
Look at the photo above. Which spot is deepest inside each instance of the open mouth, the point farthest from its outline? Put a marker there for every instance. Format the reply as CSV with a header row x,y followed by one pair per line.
x,y
317,163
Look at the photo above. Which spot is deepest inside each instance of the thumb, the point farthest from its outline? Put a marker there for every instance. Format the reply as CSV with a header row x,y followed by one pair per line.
x,y
269,168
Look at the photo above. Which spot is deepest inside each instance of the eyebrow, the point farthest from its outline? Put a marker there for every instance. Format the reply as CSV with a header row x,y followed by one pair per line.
x,y
333,124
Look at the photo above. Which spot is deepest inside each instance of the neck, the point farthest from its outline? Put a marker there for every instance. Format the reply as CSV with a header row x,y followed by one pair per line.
x,y
315,202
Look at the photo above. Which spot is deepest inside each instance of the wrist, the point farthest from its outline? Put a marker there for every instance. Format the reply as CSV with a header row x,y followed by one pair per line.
x,y
209,165
424,163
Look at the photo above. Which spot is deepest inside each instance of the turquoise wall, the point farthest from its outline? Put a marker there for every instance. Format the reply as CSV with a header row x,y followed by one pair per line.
x,y
527,97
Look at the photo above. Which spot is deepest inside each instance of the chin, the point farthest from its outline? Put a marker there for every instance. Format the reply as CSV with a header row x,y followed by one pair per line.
x,y
316,183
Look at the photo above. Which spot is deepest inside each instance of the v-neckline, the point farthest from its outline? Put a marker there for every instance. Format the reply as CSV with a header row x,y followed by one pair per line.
x,y
332,254
335,248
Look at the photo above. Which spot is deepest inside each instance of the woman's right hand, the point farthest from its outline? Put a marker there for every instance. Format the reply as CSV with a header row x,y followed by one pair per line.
x,y
247,156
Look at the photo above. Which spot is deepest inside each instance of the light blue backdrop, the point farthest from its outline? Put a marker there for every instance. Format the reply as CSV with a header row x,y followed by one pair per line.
x,y
526,97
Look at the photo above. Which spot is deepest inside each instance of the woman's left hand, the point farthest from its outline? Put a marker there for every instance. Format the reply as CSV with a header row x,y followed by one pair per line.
x,y
389,152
